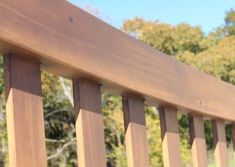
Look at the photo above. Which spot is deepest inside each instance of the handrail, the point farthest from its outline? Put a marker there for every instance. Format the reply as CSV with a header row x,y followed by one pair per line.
x,y
71,43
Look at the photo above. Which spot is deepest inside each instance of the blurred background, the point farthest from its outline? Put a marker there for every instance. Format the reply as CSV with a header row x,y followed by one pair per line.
x,y
198,33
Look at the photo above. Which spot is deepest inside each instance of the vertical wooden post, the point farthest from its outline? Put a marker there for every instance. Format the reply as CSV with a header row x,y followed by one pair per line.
x,y
220,143
197,140
135,131
25,122
89,123
170,137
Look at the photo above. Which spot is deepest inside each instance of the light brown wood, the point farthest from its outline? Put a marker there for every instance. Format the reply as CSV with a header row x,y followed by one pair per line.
x,y
220,152
233,139
25,121
69,41
170,137
197,141
135,131
89,123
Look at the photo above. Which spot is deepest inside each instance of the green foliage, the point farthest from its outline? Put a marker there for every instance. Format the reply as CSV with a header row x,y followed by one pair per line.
x,y
154,136
169,39
114,130
218,61
59,123
184,139
3,133
229,27
1,76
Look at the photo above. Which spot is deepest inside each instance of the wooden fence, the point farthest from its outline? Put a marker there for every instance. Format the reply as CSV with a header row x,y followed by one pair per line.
x,y
55,36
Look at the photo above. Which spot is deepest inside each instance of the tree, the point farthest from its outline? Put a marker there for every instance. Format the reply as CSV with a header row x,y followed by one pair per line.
x,y
3,133
229,27
218,61
171,40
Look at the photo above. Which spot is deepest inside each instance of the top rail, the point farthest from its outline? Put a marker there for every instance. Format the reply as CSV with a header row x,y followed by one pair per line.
x,y
70,42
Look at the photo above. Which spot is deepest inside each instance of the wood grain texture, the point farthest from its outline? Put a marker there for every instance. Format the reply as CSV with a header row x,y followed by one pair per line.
x,y
170,137
197,141
220,152
69,41
135,131
89,124
25,121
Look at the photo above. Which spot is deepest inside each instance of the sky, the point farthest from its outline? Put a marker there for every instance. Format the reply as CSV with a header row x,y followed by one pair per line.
x,y
208,14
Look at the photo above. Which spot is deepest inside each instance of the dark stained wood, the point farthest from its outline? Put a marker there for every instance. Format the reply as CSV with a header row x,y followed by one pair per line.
x,y
197,141
170,137
25,122
220,152
69,41
135,131
89,123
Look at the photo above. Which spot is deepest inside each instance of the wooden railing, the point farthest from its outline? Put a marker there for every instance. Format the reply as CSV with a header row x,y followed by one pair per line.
x,y
60,38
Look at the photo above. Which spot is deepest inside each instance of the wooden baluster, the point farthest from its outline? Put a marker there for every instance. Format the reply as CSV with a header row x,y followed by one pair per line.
x,y
220,143
233,139
197,140
135,131
25,122
89,123
170,137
